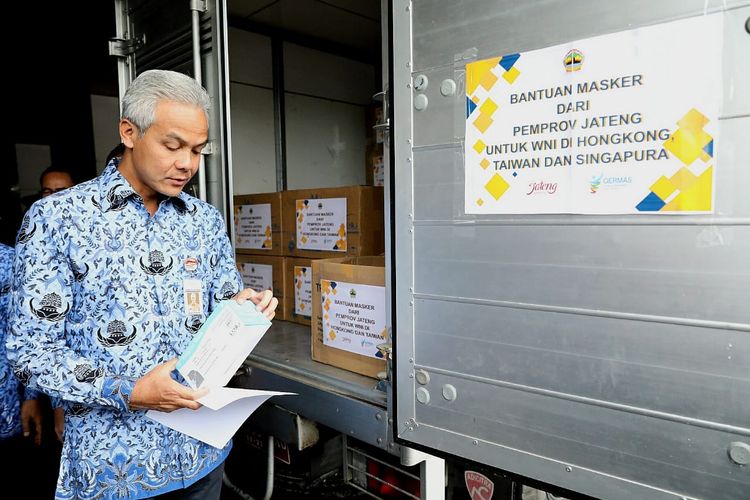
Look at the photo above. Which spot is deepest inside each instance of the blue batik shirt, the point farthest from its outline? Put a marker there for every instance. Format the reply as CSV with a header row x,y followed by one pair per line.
x,y
10,405
98,301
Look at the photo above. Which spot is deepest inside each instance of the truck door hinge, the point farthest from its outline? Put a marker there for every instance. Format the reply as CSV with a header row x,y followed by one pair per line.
x,y
123,47
199,5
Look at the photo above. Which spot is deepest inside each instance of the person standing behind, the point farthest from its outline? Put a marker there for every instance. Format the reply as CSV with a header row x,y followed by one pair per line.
x,y
17,416
99,312
54,179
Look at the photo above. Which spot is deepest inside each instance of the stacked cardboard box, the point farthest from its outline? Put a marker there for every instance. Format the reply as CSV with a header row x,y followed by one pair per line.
x,y
257,224
298,289
265,272
374,172
333,222
375,167
349,319
279,234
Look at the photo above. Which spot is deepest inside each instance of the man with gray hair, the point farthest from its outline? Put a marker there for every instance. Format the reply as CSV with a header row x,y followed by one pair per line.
x,y
100,311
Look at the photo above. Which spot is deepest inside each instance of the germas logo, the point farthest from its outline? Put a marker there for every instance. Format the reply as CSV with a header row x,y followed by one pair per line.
x,y
596,181
613,181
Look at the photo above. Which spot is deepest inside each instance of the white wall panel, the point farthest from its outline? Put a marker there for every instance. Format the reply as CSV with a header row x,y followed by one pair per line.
x,y
253,150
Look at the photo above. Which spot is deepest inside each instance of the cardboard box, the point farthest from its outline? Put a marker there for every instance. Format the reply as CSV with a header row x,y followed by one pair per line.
x,y
257,224
353,312
261,272
374,116
359,232
375,170
298,290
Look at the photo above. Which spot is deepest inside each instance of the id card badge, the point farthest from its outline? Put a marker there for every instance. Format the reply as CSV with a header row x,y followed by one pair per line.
x,y
193,294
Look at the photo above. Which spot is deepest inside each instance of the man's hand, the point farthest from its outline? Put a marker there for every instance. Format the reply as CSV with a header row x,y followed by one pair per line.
x,y
59,422
264,301
31,413
156,390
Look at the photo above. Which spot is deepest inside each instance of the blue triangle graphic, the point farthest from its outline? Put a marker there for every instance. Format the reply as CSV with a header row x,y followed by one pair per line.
x,y
470,106
508,61
709,148
650,203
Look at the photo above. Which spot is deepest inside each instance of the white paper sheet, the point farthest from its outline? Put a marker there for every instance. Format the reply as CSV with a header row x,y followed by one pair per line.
x,y
223,412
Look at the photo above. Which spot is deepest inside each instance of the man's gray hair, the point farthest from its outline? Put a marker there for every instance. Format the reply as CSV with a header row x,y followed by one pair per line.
x,y
145,92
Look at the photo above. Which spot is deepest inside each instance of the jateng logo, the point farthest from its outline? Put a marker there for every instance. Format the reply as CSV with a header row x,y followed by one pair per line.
x,y
611,181
478,485
541,187
573,61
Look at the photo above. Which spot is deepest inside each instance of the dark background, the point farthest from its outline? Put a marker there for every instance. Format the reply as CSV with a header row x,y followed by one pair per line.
x,y
56,56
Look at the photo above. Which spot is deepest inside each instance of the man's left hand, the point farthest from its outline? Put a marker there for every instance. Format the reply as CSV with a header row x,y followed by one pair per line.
x,y
264,301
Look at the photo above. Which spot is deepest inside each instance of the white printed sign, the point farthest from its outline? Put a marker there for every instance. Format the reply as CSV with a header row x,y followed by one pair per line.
x,y
253,226
353,317
303,290
625,123
259,277
321,224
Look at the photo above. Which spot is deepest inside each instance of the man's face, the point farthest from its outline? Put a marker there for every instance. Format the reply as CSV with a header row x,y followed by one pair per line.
x,y
53,182
167,156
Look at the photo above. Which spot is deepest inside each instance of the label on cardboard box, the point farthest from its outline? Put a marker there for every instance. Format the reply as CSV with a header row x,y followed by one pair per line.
x,y
259,277
321,224
378,172
353,317
303,290
253,226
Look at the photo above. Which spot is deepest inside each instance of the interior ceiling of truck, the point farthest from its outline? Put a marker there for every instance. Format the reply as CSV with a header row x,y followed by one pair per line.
x,y
354,24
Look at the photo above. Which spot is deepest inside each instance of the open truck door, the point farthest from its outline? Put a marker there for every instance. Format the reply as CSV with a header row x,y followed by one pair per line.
x,y
600,346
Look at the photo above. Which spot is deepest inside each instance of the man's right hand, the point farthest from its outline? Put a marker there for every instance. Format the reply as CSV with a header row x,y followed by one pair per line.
x,y
157,390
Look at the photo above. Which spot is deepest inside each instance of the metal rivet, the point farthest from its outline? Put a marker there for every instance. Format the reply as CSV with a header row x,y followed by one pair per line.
x,y
421,82
739,452
423,377
449,392
420,102
475,442
448,87
411,360
568,469
380,440
378,416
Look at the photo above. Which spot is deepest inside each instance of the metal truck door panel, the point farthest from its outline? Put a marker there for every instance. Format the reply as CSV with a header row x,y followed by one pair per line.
x,y
605,354
158,34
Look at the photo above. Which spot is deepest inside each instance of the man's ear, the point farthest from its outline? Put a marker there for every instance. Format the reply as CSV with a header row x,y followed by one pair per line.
x,y
128,133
